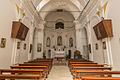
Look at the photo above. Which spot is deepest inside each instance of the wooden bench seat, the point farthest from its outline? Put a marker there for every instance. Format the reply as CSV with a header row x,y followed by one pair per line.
x,y
42,73
41,61
82,63
91,68
36,64
99,78
36,77
87,65
30,67
78,73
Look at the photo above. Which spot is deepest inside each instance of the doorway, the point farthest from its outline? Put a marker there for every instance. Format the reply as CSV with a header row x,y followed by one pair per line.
x,y
69,53
49,53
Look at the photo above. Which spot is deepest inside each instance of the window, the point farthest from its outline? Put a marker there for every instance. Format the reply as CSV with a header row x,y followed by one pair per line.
x,y
59,25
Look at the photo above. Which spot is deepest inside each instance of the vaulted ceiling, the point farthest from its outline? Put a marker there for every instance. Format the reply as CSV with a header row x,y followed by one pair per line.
x,y
44,7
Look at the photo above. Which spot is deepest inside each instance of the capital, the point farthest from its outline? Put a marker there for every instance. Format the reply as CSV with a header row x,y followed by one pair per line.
x,y
76,22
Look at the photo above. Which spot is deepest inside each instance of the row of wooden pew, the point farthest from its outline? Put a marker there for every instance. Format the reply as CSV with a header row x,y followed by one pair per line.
x,y
82,69
37,69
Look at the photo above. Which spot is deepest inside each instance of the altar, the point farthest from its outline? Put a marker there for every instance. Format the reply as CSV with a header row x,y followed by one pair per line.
x,y
59,54
59,58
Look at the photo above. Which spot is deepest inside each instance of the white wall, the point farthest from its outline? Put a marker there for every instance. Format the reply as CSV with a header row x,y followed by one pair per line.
x,y
110,55
10,54
7,15
113,13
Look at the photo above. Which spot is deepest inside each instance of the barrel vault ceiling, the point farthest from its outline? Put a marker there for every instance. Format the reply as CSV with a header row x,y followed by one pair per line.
x,y
44,7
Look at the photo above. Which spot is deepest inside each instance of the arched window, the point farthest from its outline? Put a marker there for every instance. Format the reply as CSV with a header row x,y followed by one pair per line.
x,y
71,42
59,25
59,41
48,42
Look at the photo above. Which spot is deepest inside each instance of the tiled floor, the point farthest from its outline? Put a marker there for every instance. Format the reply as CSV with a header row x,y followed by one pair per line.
x,y
60,73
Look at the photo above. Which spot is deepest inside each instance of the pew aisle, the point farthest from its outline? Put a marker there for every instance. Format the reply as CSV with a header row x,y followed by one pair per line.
x,y
60,73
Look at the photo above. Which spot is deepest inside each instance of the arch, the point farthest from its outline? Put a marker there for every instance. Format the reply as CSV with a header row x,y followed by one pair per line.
x,y
85,43
59,25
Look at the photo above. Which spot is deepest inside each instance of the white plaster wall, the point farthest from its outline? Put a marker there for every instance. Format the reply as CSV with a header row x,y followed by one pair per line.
x,y
113,13
96,54
91,20
39,37
7,15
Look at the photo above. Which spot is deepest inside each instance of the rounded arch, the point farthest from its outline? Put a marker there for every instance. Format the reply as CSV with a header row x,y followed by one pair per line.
x,y
85,43
59,25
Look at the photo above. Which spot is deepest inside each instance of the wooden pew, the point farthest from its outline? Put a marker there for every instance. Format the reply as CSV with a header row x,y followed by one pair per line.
x,y
29,67
36,77
36,64
99,78
82,63
79,73
44,59
72,66
90,68
78,60
42,73
101,65
41,61
32,67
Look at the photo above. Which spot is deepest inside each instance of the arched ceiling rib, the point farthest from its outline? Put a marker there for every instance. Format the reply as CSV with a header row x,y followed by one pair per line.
x,y
50,5
64,4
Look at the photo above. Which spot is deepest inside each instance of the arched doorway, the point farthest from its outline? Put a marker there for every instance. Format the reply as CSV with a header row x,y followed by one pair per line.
x,y
49,53
85,43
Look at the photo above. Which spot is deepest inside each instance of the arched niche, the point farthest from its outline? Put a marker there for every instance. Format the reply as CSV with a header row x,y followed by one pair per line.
x,y
48,42
59,40
70,42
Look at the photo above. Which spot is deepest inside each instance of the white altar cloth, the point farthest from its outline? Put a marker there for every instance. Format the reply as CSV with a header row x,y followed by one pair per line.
x,y
60,54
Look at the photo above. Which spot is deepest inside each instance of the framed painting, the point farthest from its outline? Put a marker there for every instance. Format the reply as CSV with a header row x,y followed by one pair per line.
x,y
39,47
18,45
3,43
25,46
30,48
96,46
89,47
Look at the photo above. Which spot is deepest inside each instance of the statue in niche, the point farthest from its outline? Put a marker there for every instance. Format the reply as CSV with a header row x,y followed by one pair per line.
x,y
59,41
48,42
71,42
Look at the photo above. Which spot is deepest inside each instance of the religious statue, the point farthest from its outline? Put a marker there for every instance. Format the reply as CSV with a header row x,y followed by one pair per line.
x,y
59,41
71,42
48,42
